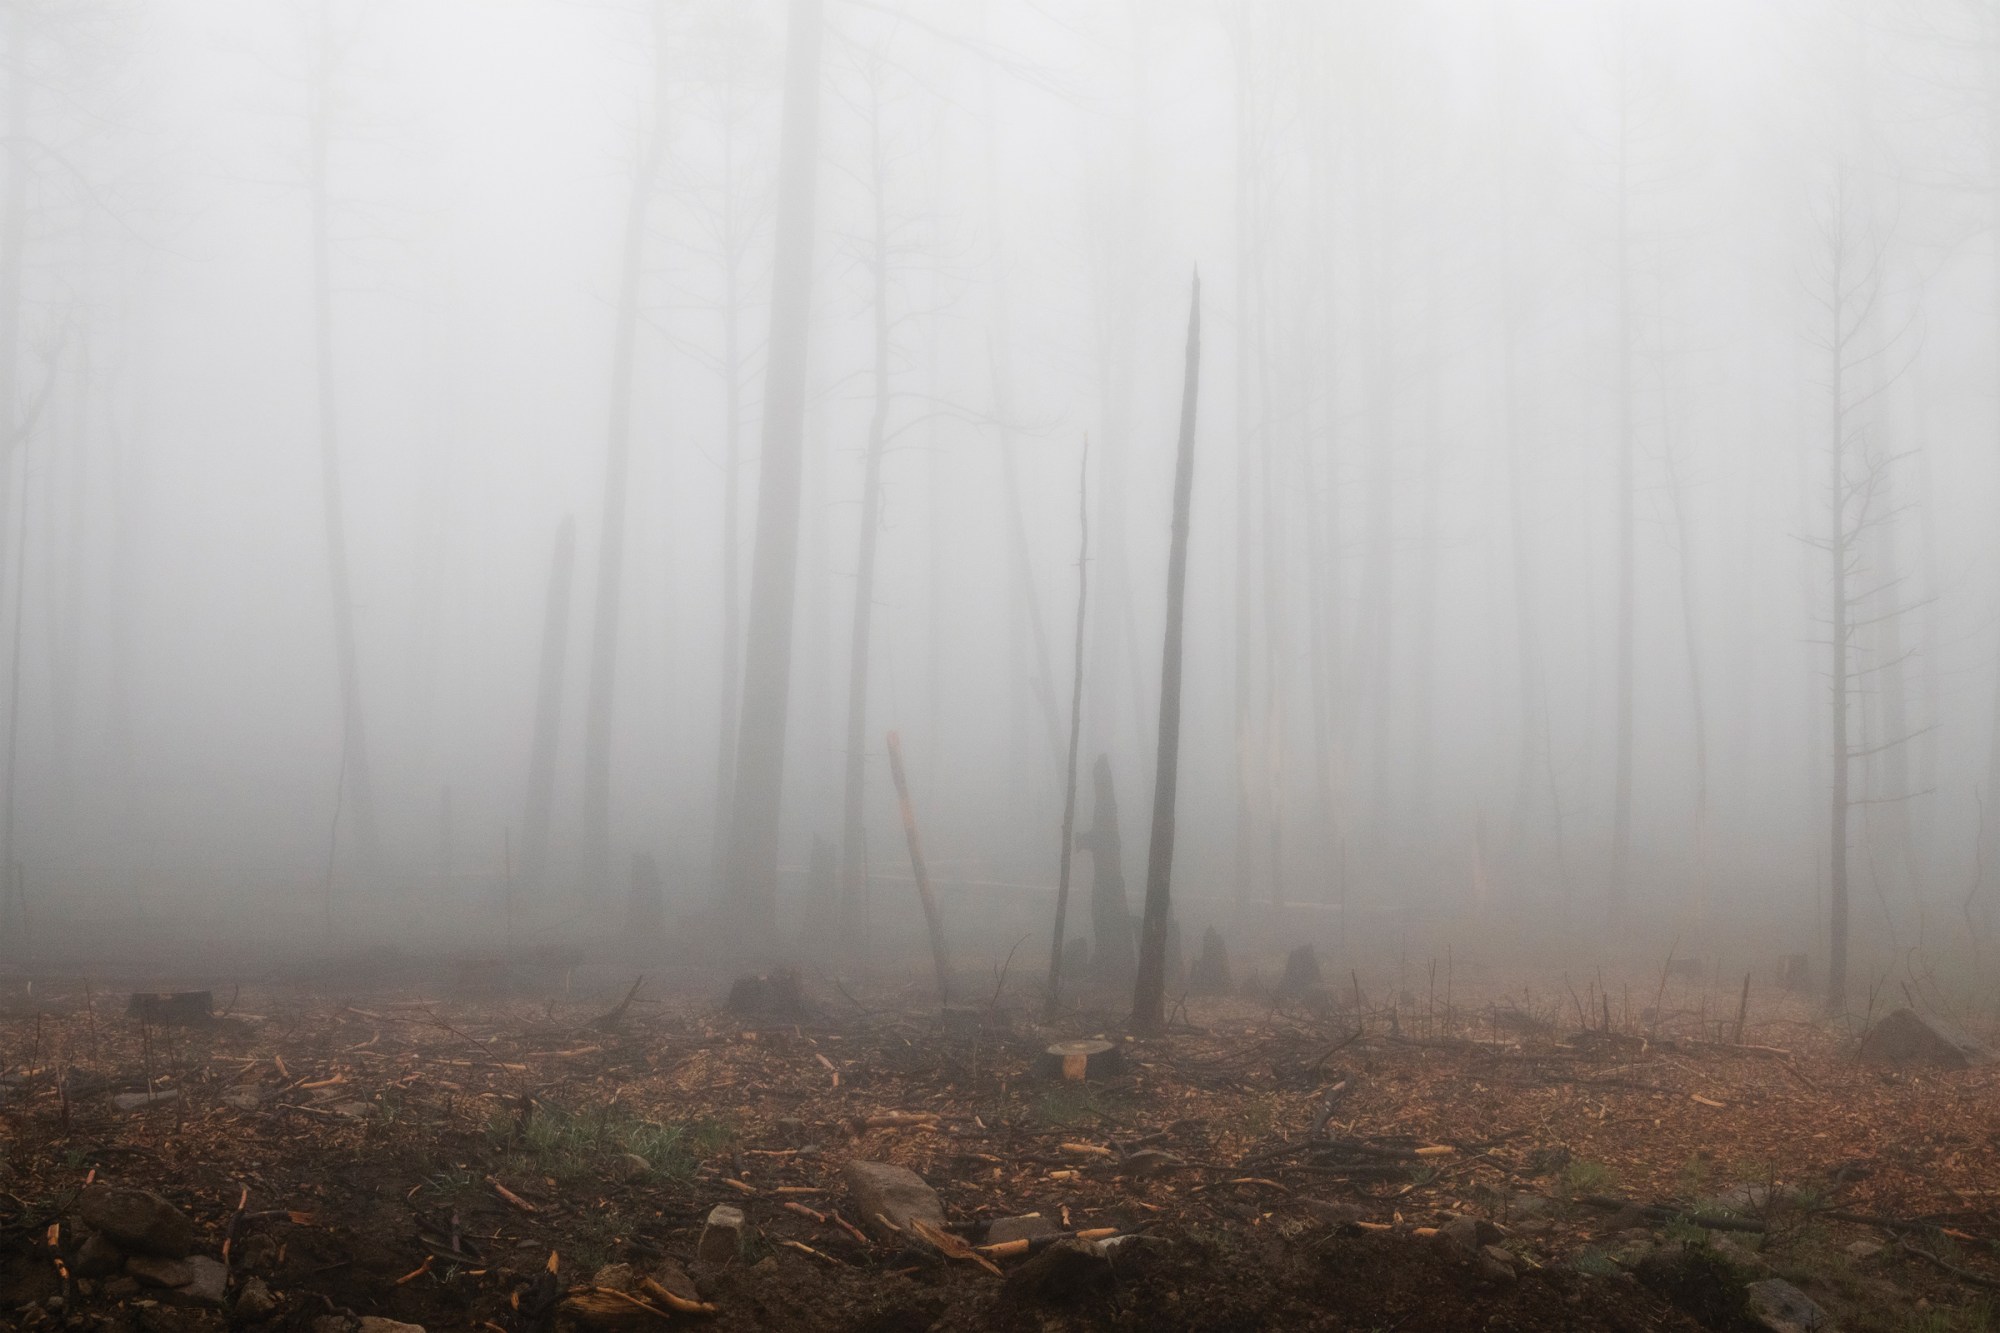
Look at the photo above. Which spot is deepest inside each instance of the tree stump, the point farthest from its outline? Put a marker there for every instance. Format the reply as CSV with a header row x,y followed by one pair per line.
x,y
1211,966
1078,1061
1301,970
770,995
183,1008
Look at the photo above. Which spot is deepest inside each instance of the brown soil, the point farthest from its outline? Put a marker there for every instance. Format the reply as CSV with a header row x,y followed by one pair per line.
x,y
429,1160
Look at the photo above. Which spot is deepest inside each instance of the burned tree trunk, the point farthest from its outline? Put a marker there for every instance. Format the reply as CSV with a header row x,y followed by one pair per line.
x,y
357,774
1075,729
754,812
1110,917
617,462
1149,990
854,827
548,709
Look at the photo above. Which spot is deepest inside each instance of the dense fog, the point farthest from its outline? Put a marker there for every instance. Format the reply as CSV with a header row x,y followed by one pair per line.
x,y
1586,390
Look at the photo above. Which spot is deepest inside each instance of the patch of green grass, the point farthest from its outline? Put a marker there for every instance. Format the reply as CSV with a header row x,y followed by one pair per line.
x,y
1696,1175
1064,1104
568,1144
1977,1317
1595,1262
1585,1177
453,1188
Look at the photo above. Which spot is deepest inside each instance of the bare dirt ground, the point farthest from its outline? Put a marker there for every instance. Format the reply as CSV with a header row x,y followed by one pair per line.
x,y
357,1148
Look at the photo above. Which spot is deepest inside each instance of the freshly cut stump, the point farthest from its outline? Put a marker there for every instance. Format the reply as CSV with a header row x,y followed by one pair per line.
x,y
184,1008
1080,1060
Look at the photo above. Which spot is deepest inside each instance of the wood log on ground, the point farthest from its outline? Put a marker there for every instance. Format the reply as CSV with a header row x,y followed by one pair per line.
x,y
184,1008
1081,1060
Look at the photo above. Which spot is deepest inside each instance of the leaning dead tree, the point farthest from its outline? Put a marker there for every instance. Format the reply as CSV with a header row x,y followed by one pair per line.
x,y
1149,991
1075,729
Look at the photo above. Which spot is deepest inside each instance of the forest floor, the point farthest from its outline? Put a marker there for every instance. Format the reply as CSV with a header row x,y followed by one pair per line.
x,y
510,1162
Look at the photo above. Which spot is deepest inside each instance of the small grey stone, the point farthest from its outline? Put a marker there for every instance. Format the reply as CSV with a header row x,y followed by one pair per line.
x,y
630,1166
139,1101
1496,1264
1783,1308
209,1282
157,1272
885,1192
259,1253
121,1288
255,1301
1863,1250
243,1099
724,1237
1458,1237
1148,1162
1003,1229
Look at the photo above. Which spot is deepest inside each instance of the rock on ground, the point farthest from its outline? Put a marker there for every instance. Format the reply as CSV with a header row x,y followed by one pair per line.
x,y
208,1283
883,1191
157,1272
1003,1229
1783,1308
255,1301
1904,1036
724,1237
137,1219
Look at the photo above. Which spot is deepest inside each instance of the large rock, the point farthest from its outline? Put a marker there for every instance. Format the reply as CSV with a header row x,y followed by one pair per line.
x,y
154,1271
97,1257
137,1219
1783,1308
1904,1036
893,1194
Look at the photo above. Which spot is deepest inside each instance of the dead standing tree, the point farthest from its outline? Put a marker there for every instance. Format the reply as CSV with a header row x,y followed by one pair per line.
x,y
617,462
357,782
1075,729
751,882
1149,991
1848,293
548,710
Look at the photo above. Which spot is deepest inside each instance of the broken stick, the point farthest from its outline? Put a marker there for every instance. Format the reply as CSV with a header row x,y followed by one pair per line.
x,y
917,867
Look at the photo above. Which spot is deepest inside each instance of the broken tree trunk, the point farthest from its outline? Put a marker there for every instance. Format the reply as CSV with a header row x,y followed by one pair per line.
x,y
1149,991
1075,729
1110,918
548,710
917,869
